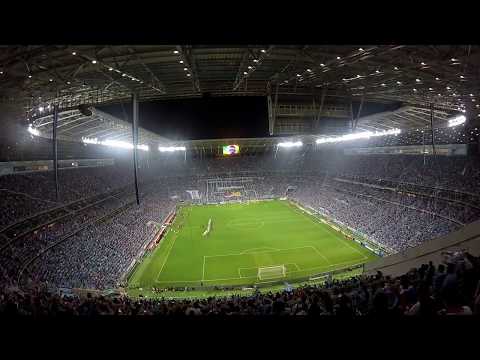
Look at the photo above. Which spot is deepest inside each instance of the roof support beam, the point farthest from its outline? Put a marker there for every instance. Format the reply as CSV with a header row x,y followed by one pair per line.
x,y
190,63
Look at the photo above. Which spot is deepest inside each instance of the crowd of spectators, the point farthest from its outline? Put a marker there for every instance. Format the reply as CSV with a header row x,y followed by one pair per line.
x,y
450,288
367,198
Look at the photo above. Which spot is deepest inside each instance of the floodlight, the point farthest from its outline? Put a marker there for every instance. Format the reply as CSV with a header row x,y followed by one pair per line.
x,y
171,148
33,131
289,144
457,120
355,136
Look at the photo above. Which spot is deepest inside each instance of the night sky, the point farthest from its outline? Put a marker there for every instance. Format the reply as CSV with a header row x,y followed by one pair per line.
x,y
202,118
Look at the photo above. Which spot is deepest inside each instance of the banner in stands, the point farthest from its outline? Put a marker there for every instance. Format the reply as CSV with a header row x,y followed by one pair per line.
x,y
233,194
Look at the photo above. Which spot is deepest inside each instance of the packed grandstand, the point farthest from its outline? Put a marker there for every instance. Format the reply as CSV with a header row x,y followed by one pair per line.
x,y
71,240
397,201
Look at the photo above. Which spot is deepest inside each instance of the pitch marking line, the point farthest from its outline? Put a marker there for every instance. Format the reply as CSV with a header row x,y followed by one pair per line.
x,y
254,277
336,233
249,251
166,258
203,271
261,252
323,256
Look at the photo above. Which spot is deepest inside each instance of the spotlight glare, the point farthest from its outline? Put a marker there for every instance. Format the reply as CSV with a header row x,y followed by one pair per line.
x,y
355,136
290,144
171,148
458,120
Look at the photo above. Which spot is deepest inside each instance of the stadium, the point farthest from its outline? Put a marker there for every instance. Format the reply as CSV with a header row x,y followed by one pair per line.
x,y
240,180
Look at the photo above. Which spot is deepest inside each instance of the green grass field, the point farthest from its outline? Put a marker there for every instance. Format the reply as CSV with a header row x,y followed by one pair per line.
x,y
243,238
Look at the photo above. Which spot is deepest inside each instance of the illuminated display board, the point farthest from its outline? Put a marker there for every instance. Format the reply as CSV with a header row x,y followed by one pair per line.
x,y
231,150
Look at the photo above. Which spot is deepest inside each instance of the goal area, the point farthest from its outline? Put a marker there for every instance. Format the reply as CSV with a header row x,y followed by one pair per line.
x,y
271,272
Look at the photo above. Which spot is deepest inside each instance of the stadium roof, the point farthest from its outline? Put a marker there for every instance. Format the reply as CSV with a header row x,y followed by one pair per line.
x,y
409,77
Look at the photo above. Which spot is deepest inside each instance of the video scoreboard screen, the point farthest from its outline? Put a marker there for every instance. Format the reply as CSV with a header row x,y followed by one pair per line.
x,y
229,150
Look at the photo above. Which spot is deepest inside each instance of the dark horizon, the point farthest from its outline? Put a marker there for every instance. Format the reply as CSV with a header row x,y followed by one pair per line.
x,y
200,118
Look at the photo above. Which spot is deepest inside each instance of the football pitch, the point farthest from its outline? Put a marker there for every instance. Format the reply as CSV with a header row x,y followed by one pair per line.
x,y
243,238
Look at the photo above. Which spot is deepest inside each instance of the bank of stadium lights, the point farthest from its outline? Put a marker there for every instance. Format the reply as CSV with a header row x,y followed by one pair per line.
x,y
322,64
255,60
175,51
29,76
74,53
457,120
355,136
189,75
185,69
290,144
263,51
114,143
94,61
110,69
171,148
338,57
418,80
395,68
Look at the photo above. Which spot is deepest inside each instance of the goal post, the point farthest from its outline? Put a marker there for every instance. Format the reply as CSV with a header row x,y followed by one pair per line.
x,y
272,272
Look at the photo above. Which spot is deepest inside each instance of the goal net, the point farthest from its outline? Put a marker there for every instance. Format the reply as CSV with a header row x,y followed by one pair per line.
x,y
271,272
